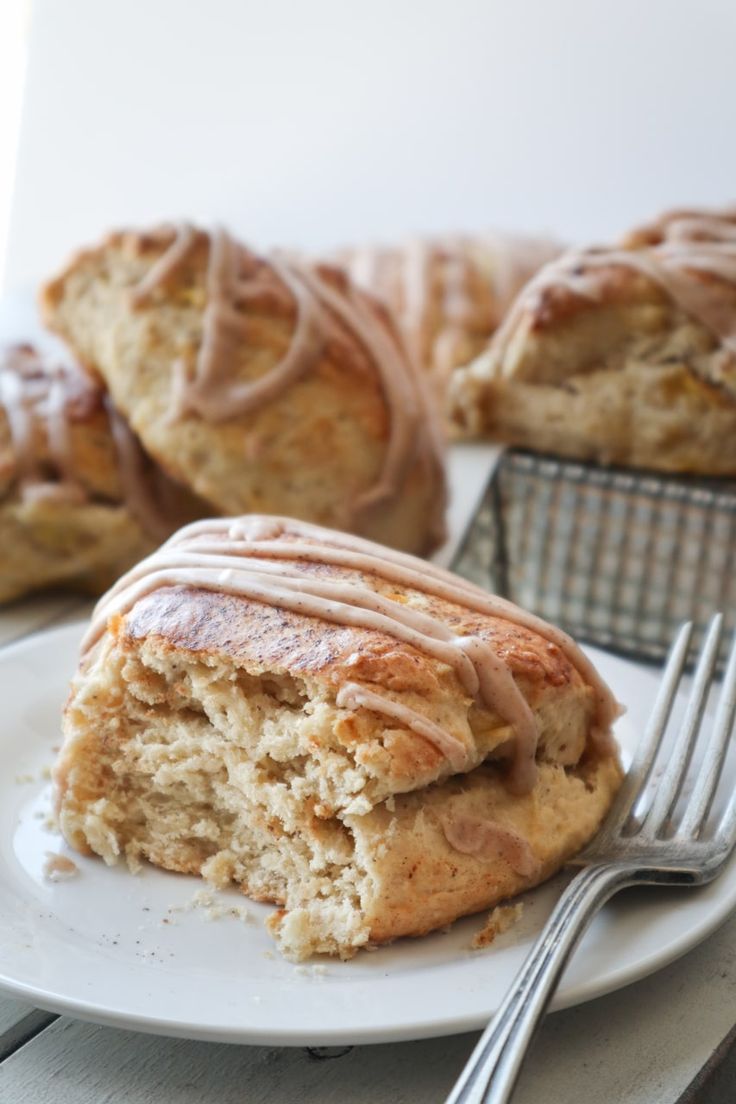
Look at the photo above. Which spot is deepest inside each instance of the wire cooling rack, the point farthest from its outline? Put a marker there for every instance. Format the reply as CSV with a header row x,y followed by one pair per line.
x,y
616,557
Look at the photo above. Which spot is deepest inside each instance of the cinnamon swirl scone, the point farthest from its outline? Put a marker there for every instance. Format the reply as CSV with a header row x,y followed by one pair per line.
x,y
263,383
450,293
624,355
366,740
79,502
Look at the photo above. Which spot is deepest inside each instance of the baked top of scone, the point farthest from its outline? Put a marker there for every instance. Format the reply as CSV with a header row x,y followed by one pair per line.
x,y
373,630
623,353
685,224
341,729
259,381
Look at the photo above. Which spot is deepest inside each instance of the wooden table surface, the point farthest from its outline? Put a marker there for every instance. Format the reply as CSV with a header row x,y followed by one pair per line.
x,y
668,1038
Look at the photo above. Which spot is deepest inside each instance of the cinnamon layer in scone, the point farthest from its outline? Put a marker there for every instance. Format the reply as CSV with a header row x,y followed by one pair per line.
x,y
625,355
339,769
262,383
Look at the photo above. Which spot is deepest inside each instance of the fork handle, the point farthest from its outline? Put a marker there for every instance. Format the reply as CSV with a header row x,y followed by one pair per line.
x,y
493,1068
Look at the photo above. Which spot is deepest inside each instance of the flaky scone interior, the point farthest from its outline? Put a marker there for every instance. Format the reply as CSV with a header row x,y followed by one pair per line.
x,y
371,743
621,354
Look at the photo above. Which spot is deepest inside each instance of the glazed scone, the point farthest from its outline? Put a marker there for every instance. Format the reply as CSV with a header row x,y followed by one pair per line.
x,y
450,293
621,355
366,740
79,503
261,382
685,224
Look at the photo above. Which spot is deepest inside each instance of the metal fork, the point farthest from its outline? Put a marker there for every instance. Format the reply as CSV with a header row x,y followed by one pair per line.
x,y
642,842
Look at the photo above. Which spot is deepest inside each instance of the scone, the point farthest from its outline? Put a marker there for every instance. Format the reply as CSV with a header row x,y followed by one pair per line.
x,y
371,743
681,224
261,382
79,502
622,355
448,293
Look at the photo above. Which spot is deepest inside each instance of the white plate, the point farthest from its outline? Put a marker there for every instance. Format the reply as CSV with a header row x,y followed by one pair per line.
x,y
105,946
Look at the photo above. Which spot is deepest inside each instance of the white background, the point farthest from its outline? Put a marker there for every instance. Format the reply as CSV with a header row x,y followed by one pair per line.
x,y
322,122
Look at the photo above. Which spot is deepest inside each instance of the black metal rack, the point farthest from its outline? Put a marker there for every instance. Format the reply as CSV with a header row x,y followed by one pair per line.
x,y
616,557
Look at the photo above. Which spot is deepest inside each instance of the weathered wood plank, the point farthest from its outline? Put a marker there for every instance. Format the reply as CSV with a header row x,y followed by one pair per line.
x,y
642,1045
19,1022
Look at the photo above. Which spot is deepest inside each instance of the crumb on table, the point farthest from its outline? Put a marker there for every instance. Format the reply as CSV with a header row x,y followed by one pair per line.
x,y
499,920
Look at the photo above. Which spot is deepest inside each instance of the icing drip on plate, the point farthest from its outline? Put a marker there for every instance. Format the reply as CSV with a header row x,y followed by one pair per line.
x,y
262,559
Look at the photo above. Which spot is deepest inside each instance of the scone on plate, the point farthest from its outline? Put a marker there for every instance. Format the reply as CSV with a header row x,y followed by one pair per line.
x,y
448,293
624,355
79,502
261,382
359,737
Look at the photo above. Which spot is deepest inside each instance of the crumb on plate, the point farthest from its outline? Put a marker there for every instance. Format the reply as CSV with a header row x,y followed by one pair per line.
x,y
57,868
499,920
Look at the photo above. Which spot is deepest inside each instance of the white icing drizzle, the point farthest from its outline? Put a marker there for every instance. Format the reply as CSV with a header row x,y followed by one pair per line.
x,y
245,557
691,245
211,392
34,394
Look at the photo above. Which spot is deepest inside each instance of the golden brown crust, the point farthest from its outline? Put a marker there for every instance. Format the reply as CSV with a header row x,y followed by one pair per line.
x,y
181,622
263,637
600,359
423,883
683,224
311,451
83,547
211,733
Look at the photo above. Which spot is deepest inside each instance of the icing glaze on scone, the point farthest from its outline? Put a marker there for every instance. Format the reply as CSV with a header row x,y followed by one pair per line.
x,y
320,295
39,400
263,558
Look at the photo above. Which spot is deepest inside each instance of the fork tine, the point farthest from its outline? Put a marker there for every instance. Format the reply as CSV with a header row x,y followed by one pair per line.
x,y
715,754
726,831
670,784
650,743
